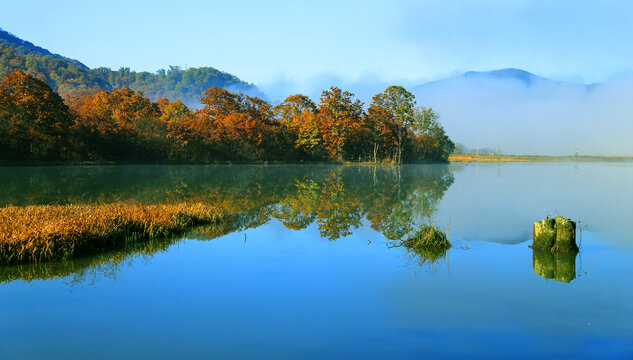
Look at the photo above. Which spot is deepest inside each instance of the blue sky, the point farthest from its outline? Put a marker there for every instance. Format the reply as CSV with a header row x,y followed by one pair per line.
x,y
408,41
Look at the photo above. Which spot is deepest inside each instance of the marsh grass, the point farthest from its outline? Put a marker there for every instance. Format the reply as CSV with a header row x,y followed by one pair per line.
x,y
426,247
56,232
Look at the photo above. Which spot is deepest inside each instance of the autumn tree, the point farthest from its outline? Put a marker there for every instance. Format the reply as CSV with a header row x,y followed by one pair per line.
x,y
297,114
118,125
172,110
339,115
34,121
237,126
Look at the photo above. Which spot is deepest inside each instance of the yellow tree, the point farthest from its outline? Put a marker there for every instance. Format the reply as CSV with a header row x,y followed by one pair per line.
x,y
297,115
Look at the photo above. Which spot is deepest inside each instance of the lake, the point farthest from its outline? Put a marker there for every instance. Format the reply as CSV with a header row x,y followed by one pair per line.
x,y
310,268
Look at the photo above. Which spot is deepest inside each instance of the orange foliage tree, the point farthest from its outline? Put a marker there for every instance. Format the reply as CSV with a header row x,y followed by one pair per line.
x,y
339,116
229,127
34,121
118,125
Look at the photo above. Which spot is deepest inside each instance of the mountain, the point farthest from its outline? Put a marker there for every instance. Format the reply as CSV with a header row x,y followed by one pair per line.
x,y
519,76
23,47
70,76
62,74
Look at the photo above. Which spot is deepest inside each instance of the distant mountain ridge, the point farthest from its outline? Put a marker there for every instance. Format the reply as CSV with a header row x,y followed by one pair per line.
x,y
513,74
69,76
509,73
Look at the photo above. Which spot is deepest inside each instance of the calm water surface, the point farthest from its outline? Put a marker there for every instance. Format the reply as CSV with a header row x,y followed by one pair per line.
x,y
309,270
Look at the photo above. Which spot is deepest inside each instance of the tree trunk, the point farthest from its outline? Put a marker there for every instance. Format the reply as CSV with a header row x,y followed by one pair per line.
x,y
375,151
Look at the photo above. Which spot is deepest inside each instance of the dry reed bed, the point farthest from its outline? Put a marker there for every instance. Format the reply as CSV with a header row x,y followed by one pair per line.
x,y
53,232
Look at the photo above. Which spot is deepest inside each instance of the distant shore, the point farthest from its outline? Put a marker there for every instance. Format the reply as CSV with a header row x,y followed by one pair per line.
x,y
532,158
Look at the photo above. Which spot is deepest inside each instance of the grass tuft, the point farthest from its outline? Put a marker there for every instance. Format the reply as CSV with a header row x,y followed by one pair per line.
x,y
430,238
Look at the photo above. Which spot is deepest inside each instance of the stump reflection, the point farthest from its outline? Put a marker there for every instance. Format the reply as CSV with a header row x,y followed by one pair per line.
x,y
558,266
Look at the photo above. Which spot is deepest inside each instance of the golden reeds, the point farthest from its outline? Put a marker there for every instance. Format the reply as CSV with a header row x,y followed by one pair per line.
x,y
52,232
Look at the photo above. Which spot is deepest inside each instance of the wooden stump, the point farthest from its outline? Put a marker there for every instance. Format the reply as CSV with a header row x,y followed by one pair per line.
x,y
544,234
565,235
557,235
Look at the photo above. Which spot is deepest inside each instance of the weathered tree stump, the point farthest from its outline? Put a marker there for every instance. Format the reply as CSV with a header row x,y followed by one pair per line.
x,y
565,235
557,235
544,234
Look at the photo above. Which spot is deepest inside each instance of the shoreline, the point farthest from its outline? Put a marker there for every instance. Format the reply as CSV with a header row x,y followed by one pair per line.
x,y
454,158
457,158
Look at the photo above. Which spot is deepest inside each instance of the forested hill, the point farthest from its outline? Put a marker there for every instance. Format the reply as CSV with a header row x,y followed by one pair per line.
x,y
62,74
69,76
175,83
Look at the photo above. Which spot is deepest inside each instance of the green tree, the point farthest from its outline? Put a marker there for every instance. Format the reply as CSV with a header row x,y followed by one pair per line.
x,y
399,104
435,144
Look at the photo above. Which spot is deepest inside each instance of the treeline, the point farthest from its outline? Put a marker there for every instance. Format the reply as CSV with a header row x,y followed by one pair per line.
x,y
37,125
174,83
70,77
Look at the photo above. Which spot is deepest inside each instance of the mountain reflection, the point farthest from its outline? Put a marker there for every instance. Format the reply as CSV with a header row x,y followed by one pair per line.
x,y
338,199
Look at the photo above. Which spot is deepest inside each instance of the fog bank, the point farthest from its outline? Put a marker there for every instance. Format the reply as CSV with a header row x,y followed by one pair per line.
x,y
542,118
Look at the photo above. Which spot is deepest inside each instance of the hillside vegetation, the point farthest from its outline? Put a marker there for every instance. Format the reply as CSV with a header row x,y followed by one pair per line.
x,y
70,77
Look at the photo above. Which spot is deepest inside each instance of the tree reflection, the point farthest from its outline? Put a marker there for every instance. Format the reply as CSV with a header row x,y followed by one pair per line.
x,y
337,199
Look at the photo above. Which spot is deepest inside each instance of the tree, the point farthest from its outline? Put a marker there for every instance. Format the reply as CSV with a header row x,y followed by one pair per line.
x,y
34,120
397,104
379,125
118,125
172,110
242,126
435,145
338,115
297,114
